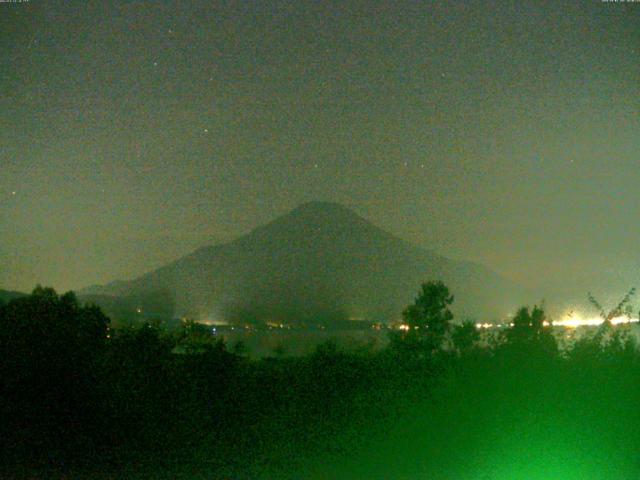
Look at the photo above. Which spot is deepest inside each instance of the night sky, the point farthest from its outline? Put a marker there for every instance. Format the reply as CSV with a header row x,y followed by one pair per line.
x,y
133,132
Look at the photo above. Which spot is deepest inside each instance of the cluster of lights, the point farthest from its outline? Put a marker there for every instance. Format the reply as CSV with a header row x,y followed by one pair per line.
x,y
271,325
574,322
570,321
485,325
405,328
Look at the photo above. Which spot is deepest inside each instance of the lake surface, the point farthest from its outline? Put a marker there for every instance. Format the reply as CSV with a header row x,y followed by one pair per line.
x,y
265,343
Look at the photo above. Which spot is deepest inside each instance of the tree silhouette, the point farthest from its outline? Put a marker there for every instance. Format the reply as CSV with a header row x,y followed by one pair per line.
x,y
527,326
531,332
465,336
428,319
50,349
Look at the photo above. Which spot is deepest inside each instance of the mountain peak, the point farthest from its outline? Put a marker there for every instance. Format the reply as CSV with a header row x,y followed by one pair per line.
x,y
316,206
310,216
308,220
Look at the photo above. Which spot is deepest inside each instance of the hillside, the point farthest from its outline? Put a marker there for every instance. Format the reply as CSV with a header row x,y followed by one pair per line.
x,y
7,295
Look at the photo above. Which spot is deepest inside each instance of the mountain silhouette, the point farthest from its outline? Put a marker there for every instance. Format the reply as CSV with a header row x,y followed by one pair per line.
x,y
319,262
7,295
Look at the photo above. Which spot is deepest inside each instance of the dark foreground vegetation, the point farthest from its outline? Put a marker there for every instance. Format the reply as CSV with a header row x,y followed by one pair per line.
x,y
440,402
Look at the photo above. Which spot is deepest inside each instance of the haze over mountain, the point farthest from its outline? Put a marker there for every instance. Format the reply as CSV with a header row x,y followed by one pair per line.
x,y
321,261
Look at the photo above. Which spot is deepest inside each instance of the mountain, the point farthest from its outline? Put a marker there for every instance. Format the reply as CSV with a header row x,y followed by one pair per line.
x,y
319,262
6,295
